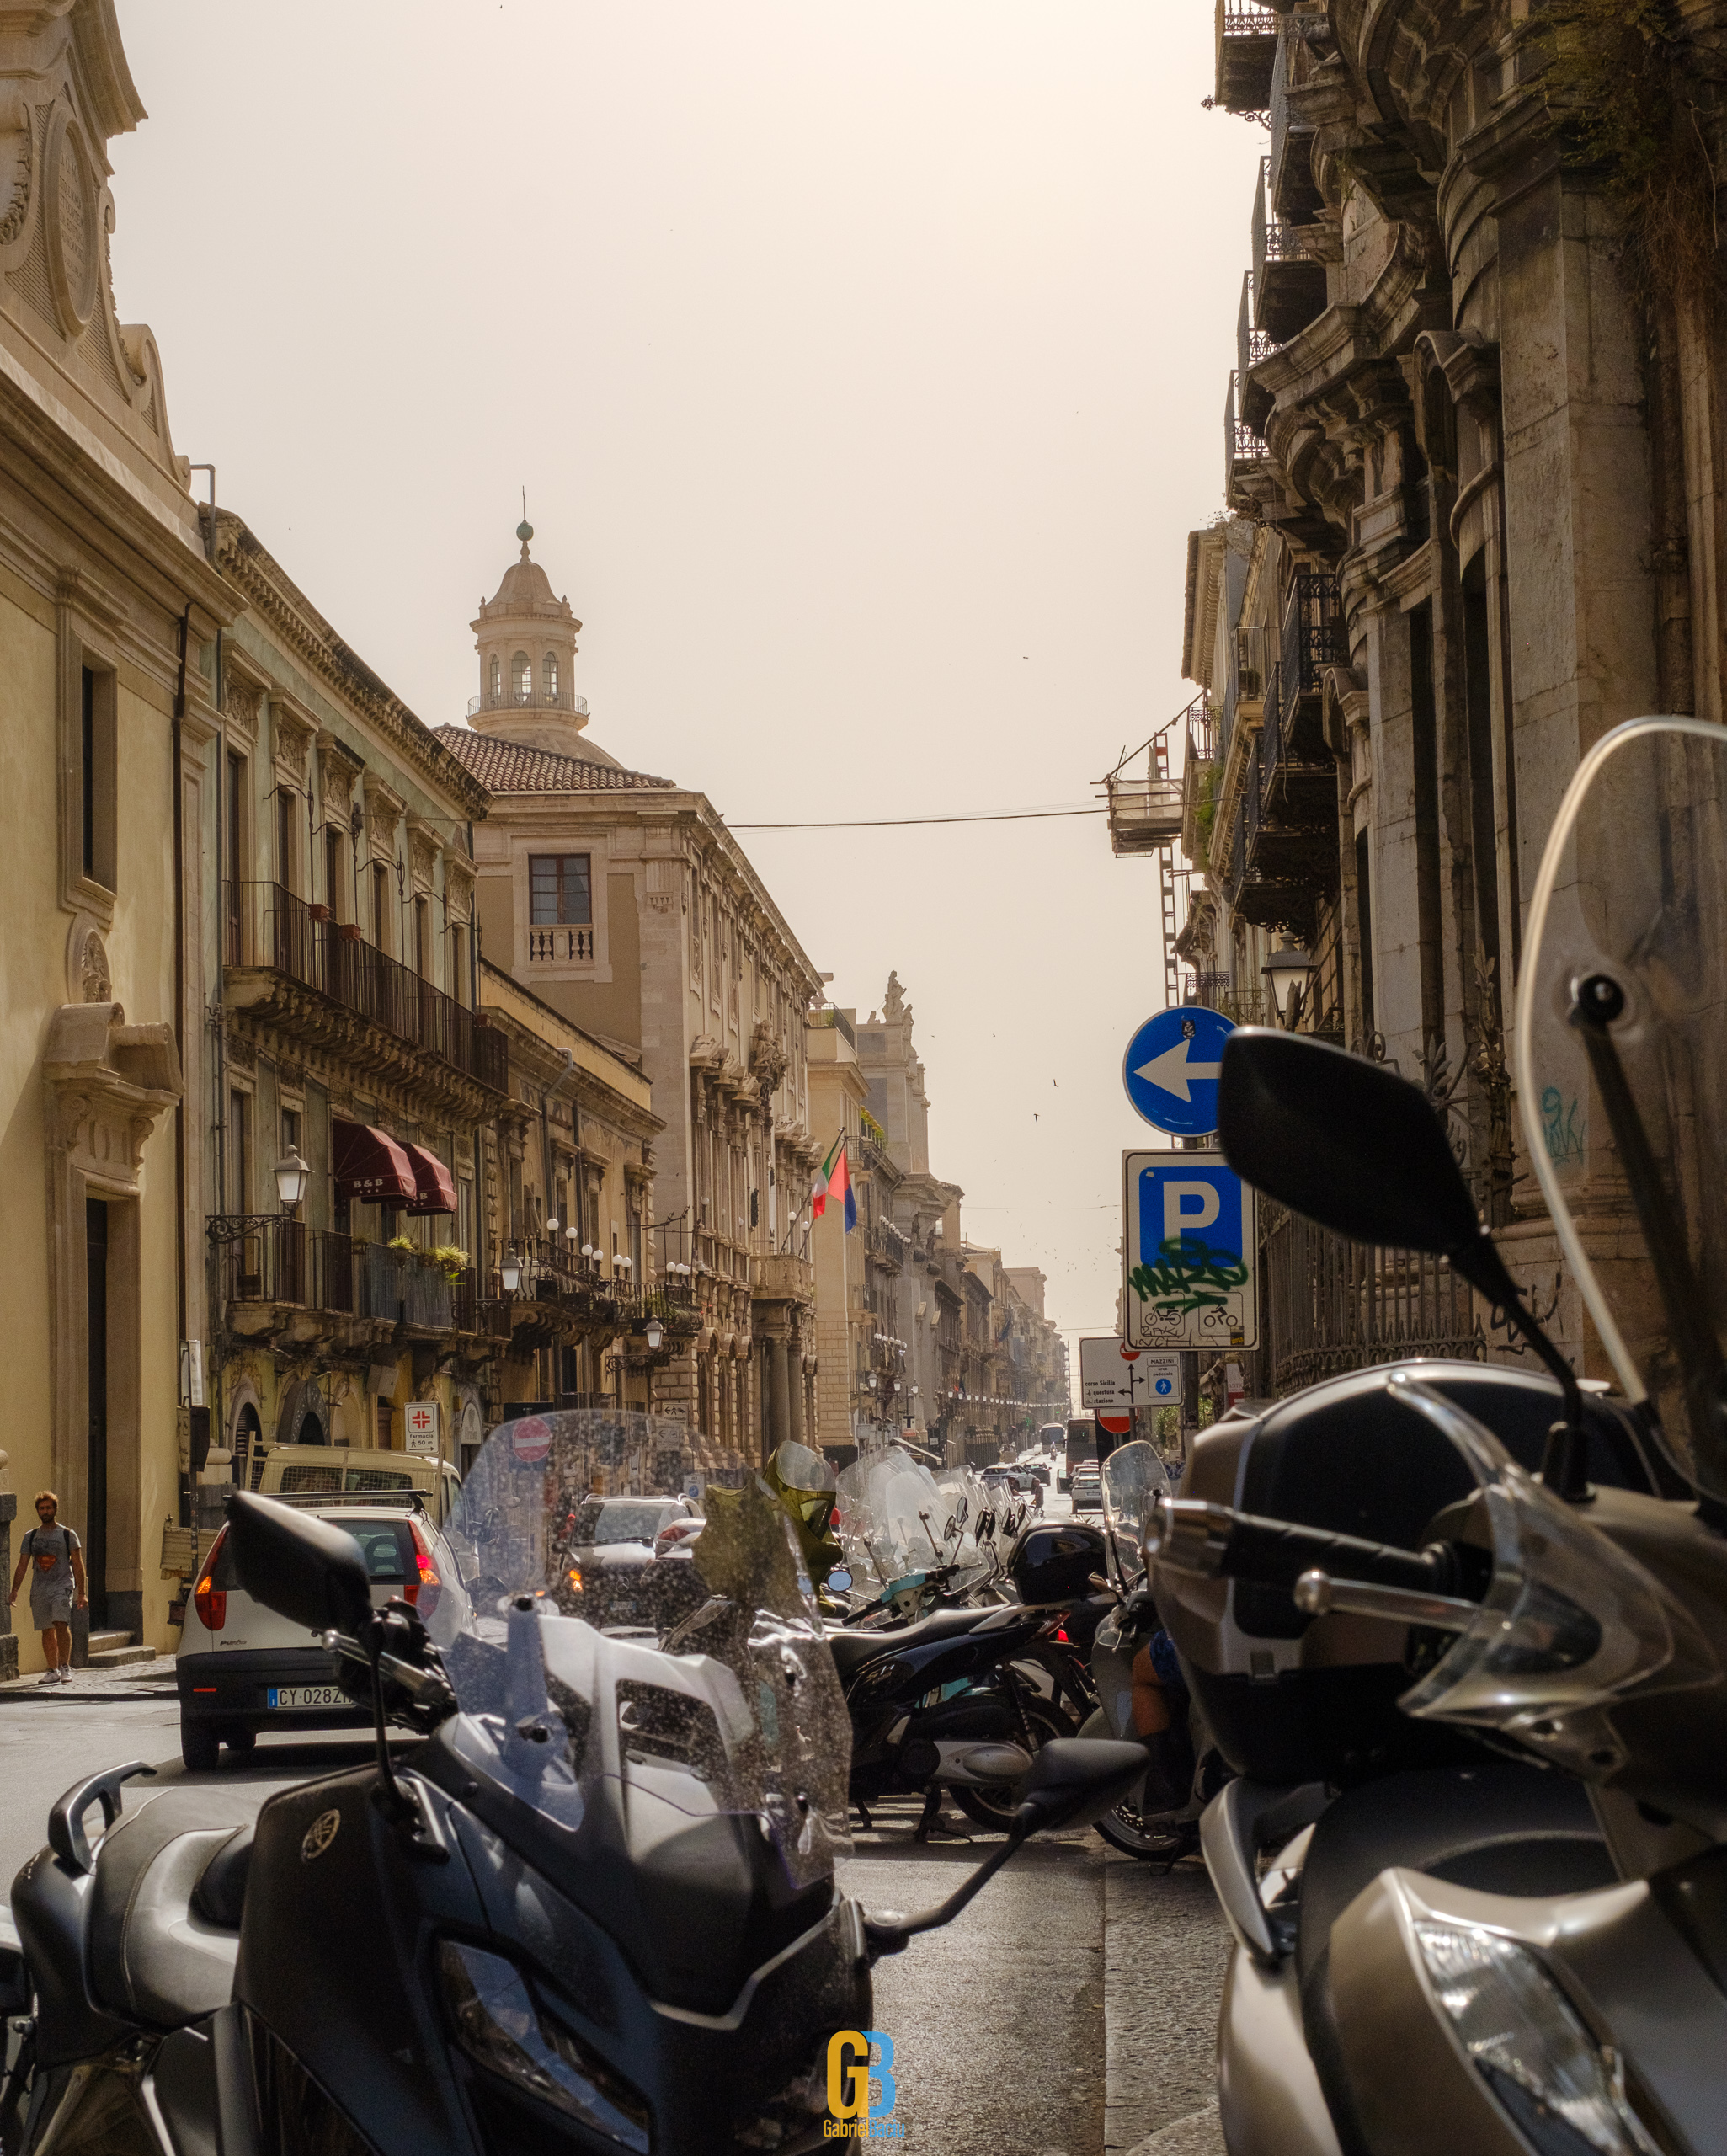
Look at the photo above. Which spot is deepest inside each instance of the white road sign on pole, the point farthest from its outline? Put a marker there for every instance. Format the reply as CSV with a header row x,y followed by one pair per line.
x,y
1190,1250
1115,1379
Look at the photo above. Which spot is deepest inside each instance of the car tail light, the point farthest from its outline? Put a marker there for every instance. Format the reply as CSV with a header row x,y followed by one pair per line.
x,y
422,1591
208,1600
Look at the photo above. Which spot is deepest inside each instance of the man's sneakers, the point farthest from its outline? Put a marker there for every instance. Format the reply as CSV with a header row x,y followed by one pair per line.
x,y
64,1673
49,1676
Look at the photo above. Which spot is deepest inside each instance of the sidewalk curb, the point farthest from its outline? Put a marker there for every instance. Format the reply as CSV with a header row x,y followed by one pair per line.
x,y
129,1683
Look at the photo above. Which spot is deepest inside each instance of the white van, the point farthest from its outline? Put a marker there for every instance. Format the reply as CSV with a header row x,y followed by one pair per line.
x,y
299,1470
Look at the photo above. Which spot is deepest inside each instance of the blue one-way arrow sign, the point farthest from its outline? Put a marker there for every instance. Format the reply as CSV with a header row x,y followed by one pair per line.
x,y
1171,1070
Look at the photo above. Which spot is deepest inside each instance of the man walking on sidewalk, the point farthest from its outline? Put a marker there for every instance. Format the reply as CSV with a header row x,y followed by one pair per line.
x,y
57,1584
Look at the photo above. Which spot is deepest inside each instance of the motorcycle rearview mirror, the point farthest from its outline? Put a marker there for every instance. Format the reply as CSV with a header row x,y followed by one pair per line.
x,y
1071,1782
1351,1145
304,1569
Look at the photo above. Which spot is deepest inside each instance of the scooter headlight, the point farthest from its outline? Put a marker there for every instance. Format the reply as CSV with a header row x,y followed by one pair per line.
x,y
1565,2092
500,2024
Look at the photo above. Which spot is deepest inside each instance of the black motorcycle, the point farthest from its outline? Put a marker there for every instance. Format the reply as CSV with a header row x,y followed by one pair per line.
x,y
594,1909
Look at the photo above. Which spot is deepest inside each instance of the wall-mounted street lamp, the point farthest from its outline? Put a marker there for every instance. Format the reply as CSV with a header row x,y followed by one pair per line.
x,y
292,1176
654,1335
1285,974
511,1271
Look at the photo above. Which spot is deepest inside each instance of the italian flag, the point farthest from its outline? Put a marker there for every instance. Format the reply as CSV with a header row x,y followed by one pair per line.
x,y
833,1181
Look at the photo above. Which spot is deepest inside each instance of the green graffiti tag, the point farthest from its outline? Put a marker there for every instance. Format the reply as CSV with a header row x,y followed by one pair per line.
x,y
1188,1276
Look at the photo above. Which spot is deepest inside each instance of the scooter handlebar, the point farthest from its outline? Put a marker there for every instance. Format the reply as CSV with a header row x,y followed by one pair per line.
x,y
1216,1541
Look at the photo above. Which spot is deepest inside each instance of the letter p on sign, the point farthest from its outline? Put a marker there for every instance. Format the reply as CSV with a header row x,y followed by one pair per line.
x,y
1189,1206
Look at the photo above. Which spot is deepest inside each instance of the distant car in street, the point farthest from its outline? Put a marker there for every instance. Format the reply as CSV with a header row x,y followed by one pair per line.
x,y
242,1669
1087,1486
614,1572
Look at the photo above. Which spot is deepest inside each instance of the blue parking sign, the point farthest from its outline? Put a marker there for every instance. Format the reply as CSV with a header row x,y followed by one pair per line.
x,y
1190,1250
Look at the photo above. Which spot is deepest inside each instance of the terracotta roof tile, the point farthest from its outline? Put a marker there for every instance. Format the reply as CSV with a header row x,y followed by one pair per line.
x,y
508,767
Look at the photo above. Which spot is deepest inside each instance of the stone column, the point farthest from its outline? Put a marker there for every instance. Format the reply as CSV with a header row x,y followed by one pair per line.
x,y
779,1393
796,1383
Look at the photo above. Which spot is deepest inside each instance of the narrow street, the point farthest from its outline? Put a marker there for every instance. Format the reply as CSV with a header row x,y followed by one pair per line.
x,y
1071,2009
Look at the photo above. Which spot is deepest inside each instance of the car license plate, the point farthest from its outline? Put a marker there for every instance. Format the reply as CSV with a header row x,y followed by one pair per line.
x,y
287,1699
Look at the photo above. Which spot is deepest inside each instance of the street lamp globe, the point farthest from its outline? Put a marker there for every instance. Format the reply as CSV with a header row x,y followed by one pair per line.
x,y
292,1175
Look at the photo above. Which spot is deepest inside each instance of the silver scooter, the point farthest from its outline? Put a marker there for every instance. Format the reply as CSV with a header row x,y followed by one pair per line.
x,y
1522,1945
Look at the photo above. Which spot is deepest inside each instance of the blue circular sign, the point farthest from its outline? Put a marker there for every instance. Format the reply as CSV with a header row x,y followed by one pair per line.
x,y
1171,1067
1163,1386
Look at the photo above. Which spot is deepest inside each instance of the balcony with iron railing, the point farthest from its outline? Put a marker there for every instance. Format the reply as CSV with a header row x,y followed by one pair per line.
x,y
1251,346
830,1015
1294,193
275,943
1289,288
1246,52
1246,456
267,1262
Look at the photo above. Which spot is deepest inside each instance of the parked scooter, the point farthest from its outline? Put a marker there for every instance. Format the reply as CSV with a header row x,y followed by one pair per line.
x,y
595,1909
1143,1697
1474,1865
943,1688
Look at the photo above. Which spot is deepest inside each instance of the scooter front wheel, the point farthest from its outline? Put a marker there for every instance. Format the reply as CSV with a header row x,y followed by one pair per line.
x,y
1157,1840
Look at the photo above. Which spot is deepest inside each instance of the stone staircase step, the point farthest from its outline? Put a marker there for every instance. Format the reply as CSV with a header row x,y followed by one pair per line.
x,y
114,1650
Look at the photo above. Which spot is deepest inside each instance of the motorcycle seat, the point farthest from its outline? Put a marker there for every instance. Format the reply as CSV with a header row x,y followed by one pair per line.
x,y
852,1649
165,1906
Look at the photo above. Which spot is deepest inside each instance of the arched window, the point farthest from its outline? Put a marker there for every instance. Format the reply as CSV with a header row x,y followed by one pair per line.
x,y
548,678
497,680
521,678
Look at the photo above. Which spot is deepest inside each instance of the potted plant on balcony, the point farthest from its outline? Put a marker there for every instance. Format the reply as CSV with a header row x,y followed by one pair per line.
x,y
451,1259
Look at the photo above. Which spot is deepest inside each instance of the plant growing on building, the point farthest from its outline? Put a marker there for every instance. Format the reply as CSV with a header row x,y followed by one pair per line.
x,y
452,1261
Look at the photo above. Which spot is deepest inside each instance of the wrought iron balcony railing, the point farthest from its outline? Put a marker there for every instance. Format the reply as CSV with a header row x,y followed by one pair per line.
x,y
267,1258
1313,637
267,927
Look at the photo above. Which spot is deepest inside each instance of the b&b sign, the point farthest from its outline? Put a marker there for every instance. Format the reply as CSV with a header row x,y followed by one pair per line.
x,y
1191,1251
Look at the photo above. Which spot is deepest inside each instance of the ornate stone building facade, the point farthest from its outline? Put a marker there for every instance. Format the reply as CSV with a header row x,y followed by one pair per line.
x,y
345,1029
1473,480
622,901
110,611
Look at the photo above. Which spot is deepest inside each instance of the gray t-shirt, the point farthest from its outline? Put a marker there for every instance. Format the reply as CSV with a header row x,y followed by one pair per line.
x,y
48,1550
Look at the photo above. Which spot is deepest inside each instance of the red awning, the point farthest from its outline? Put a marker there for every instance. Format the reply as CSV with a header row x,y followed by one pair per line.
x,y
370,1166
437,1190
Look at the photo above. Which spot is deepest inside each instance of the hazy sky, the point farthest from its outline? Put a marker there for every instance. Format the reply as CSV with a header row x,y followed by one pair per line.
x,y
865,367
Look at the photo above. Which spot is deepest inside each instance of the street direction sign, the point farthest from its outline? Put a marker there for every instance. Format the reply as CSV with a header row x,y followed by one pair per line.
x,y
1190,1248
1115,1377
1171,1068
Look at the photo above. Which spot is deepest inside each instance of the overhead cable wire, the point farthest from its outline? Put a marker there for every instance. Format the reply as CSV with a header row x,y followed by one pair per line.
x,y
890,823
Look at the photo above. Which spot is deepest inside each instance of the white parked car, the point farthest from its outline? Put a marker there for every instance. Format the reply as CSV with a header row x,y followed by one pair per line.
x,y
242,1669
1088,1490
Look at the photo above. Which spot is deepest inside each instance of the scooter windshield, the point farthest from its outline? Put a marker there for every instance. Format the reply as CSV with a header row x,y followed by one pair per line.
x,y
691,1668
897,1524
1134,1477
1621,1065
